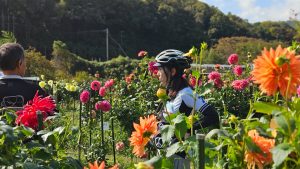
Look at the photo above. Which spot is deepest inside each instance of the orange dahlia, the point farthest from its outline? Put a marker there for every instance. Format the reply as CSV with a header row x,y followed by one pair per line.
x,y
101,166
272,71
142,134
259,159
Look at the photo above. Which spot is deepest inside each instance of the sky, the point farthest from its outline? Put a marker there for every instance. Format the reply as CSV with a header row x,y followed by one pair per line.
x,y
258,10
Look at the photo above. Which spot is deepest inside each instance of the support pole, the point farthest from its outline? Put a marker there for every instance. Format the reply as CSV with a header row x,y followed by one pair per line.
x,y
201,155
79,140
107,54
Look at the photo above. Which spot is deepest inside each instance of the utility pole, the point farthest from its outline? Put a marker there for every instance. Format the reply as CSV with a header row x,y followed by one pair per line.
x,y
107,55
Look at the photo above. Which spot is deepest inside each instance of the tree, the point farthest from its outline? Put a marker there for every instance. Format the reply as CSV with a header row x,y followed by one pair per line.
x,y
274,31
239,45
6,37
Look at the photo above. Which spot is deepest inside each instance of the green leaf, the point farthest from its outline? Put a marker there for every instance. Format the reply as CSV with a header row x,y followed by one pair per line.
x,y
218,148
191,138
180,126
212,133
75,129
252,146
47,135
59,130
27,131
171,117
167,132
69,162
280,153
180,129
296,104
155,161
266,108
50,118
167,163
179,119
220,132
292,124
254,124
10,117
41,153
54,164
196,74
29,165
173,149
42,132
33,144
264,133
206,91
6,129
282,122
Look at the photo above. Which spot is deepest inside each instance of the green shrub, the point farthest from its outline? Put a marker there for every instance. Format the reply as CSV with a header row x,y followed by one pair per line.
x,y
37,64
239,45
70,63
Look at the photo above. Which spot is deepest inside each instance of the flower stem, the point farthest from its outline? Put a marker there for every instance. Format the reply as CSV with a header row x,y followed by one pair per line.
x,y
288,86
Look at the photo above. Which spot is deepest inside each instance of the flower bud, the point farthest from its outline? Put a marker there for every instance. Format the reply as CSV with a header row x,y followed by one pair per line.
x,y
281,60
161,93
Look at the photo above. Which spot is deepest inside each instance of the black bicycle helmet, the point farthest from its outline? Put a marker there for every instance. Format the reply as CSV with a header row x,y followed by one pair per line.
x,y
172,57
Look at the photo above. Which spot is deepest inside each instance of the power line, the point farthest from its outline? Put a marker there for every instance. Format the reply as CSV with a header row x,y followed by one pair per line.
x,y
118,45
109,35
89,31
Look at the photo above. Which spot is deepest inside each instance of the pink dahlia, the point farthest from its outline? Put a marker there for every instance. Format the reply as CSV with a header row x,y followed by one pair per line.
x,y
153,69
218,83
233,59
109,83
214,75
85,96
193,80
120,146
239,84
95,85
238,70
142,53
104,106
102,91
97,106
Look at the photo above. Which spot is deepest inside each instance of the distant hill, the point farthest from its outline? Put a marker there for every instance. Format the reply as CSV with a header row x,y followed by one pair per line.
x,y
134,25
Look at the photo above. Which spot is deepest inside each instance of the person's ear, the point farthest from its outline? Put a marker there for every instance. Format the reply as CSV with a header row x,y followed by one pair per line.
x,y
20,62
173,71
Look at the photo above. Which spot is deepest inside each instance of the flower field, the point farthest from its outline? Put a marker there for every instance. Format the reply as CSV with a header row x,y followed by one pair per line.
x,y
100,122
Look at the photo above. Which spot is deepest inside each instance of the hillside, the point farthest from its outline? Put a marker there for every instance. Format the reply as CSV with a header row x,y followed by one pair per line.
x,y
134,25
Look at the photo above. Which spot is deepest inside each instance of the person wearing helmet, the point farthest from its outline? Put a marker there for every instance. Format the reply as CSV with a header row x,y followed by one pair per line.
x,y
171,65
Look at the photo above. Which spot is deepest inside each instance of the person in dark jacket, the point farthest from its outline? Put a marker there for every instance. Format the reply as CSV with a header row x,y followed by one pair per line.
x,y
14,91
171,65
